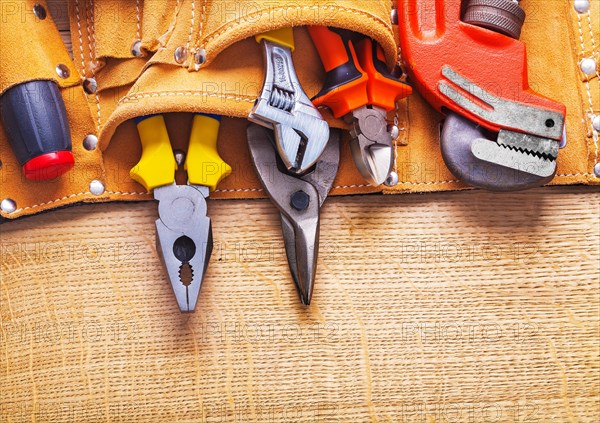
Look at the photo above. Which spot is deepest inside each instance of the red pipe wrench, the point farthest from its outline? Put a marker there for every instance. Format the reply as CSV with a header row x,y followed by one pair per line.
x,y
499,134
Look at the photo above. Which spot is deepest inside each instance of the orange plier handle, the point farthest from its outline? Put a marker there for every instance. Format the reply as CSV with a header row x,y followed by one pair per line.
x,y
356,72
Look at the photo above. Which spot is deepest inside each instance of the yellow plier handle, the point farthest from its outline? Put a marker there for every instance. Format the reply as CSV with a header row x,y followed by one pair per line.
x,y
157,166
282,36
203,164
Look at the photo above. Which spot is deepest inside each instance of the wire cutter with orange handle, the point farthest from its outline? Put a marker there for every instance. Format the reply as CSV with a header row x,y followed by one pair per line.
x,y
359,87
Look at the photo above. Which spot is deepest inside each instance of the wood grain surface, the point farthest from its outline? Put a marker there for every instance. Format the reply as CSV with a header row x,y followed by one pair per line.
x,y
454,307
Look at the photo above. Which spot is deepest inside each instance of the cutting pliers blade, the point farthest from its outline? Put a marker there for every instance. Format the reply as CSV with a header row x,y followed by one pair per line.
x,y
298,198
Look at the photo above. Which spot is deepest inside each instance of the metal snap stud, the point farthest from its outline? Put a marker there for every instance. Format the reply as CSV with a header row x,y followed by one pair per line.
x,y
596,123
581,6
597,170
392,179
588,66
8,205
199,58
181,54
90,86
179,157
62,71
394,16
136,49
90,142
96,187
39,11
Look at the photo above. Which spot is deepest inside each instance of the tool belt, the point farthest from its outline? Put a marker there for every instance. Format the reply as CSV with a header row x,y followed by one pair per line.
x,y
177,57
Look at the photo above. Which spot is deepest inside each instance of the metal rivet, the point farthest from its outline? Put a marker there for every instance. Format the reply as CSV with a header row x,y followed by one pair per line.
x,y
397,71
588,66
394,16
96,187
581,6
136,49
90,86
300,200
597,170
181,54
563,140
179,156
62,71
90,142
39,11
596,123
394,131
392,179
199,58
8,205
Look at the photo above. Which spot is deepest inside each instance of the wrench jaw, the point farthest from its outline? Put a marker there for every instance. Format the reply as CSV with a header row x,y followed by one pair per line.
x,y
514,162
301,134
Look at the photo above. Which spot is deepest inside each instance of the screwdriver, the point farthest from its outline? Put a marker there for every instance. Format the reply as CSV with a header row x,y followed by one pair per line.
x,y
35,121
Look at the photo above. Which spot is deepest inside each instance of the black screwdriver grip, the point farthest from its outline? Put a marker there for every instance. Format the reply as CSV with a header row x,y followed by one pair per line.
x,y
35,121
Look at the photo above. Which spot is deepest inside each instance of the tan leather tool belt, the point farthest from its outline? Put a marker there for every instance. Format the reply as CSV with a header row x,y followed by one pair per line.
x,y
219,69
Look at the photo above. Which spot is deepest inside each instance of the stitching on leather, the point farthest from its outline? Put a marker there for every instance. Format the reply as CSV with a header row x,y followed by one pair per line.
x,y
162,39
587,82
187,45
78,15
246,18
595,138
450,181
201,27
137,13
575,174
91,30
186,93
240,190
79,194
352,186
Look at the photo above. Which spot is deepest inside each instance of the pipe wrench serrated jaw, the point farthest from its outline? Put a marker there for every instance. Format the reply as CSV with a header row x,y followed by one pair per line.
x,y
499,133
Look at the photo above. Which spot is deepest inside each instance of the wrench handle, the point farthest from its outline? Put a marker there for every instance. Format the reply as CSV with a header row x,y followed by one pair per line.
x,y
283,36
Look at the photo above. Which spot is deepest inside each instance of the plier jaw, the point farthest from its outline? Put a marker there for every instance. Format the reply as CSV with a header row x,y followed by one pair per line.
x,y
183,230
299,199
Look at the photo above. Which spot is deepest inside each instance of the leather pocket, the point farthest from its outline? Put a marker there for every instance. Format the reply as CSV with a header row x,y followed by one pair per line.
x,y
230,78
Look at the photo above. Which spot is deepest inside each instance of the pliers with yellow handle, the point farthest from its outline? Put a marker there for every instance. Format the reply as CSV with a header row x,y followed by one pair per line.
x,y
183,229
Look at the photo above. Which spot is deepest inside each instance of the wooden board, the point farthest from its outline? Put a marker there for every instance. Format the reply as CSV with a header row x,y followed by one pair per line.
x,y
454,307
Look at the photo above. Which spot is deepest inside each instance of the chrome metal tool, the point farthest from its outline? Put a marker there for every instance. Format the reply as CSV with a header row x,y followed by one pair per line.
x,y
299,199
300,131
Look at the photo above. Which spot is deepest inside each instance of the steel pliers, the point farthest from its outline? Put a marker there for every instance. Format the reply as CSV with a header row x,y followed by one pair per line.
x,y
183,229
298,198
